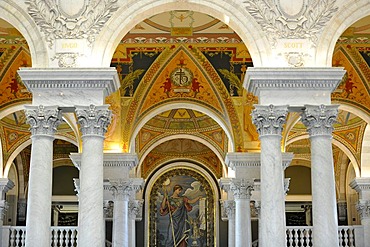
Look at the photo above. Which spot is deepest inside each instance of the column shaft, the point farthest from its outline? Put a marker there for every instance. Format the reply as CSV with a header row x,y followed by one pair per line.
x,y
272,219
324,206
91,225
94,121
243,229
120,223
319,120
269,121
43,122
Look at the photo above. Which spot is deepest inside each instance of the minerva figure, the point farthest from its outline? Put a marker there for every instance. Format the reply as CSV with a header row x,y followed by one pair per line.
x,y
177,207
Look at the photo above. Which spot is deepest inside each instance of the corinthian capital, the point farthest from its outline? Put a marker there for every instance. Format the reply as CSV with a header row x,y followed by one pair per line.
x,y
319,119
228,209
269,120
122,189
44,120
241,188
94,120
363,209
135,208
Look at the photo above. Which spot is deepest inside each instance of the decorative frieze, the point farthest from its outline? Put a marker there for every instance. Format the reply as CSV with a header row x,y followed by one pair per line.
x,y
44,120
94,120
320,119
270,119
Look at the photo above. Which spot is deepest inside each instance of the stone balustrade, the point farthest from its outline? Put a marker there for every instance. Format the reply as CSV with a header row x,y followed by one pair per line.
x,y
349,236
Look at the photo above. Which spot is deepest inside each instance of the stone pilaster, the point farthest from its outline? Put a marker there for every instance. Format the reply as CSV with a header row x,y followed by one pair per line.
x,y
319,120
135,209
228,213
122,190
44,121
362,187
269,121
93,121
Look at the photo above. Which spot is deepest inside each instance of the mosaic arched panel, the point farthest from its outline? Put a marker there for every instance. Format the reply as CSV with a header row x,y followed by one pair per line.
x,y
182,208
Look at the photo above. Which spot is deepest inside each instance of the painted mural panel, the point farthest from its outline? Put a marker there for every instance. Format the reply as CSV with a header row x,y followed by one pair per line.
x,y
181,210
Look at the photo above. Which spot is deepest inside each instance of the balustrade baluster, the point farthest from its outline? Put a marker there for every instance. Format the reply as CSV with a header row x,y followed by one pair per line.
x,y
12,235
60,237
295,237
346,237
73,238
23,237
17,237
67,237
351,237
290,237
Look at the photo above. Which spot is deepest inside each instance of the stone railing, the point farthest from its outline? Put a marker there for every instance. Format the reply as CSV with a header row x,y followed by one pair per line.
x,y
349,236
14,236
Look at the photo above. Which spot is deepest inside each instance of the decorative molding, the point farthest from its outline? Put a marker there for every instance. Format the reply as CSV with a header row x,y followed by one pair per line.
x,y
94,120
57,23
66,60
237,159
44,120
5,185
108,210
363,209
255,208
277,23
41,79
3,208
319,120
269,120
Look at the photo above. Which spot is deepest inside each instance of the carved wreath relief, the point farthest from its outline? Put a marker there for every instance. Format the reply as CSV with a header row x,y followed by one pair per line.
x,y
282,19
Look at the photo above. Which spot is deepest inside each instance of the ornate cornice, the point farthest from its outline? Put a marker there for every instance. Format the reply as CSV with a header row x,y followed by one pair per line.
x,y
319,120
93,120
269,120
37,79
277,23
361,185
44,120
363,209
120,160
292,79
57,23
236,159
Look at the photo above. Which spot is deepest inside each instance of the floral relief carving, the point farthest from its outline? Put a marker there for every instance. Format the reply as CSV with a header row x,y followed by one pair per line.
x,y
278,24
59,24
43,120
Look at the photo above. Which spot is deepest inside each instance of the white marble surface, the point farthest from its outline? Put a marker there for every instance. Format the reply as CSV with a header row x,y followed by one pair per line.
x,y
272,219
91,227
120,223
324,206
243,229
39,192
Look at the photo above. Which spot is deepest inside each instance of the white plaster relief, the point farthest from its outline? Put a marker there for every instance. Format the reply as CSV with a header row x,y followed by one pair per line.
x,y
279,21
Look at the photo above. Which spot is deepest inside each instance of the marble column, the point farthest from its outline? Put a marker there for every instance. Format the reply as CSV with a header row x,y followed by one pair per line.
x,y
269,121
243,229
93,121
229,215
44,121
362,186
135,208
122,189
5,185
319,120
121,195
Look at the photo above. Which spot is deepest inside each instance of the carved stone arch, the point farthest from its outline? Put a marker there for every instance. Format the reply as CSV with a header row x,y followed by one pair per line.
x,y
16,16
153,186
182,136
130,14
347,14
